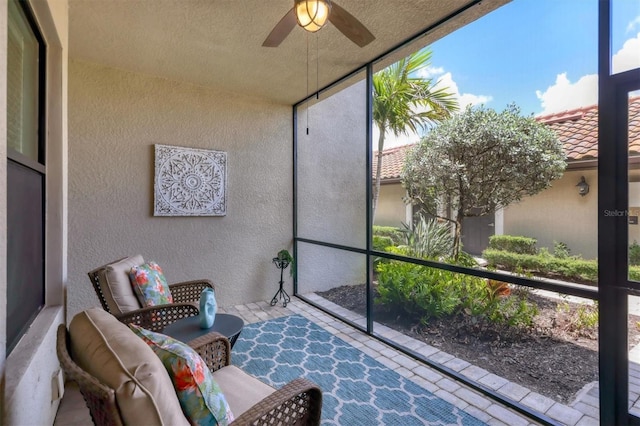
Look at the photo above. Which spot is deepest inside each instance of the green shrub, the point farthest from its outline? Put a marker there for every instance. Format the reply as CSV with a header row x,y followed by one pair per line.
x,y
395,234
465,259
561,250
586,318
515,311
485,305
432,293
634,254
570,268
414,289
418,290
544,263
512,243
381,243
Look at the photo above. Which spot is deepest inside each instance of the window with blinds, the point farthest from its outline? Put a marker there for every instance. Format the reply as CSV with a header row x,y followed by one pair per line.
x,y
22,84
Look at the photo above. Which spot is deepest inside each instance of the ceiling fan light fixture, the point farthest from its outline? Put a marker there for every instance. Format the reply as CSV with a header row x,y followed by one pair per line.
x,y
312,14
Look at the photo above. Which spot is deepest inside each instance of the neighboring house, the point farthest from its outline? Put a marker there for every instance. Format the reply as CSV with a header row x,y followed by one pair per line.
x,y
574,216
391,209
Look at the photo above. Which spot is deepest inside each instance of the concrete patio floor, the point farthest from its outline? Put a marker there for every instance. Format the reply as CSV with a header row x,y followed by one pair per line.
x,y
582,412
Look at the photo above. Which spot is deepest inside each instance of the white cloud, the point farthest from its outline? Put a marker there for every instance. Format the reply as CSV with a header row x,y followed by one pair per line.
x,y
428,72
564,94
464,99
391,140
633,24
445,80
629,56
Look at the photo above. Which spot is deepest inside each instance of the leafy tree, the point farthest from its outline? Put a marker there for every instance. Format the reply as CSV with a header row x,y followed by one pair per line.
x,y
479,161
403,102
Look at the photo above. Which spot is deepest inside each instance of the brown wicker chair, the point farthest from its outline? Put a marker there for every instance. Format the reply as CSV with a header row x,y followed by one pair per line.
x,y
185,294
299,402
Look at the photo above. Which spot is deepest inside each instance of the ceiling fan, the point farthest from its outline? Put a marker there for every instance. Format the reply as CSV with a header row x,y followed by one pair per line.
x,y
312,15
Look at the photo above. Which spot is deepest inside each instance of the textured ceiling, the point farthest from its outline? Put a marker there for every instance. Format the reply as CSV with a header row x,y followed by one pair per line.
x,y
218,43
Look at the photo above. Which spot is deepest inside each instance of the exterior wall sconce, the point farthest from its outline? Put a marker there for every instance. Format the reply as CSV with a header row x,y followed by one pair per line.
x,y
583,187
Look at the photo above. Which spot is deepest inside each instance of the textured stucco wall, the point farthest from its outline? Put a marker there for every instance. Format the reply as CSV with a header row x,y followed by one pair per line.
x,y
559,214
556,214
634,210
391,210
332,188
115,118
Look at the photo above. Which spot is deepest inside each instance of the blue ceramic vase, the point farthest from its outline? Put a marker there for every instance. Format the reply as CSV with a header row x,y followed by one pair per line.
x,y
208,308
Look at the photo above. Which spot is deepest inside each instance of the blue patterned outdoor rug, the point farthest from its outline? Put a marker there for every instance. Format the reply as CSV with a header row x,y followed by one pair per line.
x,y
357,390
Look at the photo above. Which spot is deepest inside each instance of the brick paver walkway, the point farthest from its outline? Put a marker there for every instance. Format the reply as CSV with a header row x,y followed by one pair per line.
x,y
582,412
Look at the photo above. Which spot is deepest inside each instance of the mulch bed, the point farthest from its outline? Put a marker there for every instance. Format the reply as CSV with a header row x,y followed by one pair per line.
x,y
555,358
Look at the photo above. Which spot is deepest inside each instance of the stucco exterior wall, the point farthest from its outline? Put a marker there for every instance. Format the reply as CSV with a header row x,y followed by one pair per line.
x,y
331,197
559,214
115,118
391,210
634,206
29,396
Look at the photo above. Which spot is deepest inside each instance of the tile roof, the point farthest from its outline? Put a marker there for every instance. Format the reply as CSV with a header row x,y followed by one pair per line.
x,y
392,161
577,129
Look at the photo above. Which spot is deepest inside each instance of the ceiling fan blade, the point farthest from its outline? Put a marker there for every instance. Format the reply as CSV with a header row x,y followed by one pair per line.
x,y
281,30
350,26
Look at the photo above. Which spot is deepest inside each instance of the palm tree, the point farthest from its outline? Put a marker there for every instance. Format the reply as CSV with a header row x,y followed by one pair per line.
x,y
403,102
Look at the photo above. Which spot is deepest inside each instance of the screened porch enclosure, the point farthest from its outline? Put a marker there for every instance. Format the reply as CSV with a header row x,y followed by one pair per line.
x,y
334,183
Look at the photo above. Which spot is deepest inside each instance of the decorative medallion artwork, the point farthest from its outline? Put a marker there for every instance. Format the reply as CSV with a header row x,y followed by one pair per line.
x,y
190,182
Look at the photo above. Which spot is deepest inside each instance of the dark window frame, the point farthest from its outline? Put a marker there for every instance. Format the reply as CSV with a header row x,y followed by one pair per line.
x,y
38,166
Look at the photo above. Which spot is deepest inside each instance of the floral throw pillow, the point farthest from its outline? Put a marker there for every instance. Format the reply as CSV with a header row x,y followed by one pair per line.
x,y
150,285
201,399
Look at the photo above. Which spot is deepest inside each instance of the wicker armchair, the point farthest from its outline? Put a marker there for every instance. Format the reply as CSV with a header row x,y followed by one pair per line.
x,y
127,308
299,402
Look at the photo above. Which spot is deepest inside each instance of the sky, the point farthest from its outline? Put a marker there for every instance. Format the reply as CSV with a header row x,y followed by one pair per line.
x,y
539,54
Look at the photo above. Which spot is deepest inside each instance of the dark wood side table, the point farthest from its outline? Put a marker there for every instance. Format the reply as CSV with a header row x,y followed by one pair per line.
x,y
188,329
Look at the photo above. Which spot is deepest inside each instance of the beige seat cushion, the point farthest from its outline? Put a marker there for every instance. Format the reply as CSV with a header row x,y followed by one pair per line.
x,y
241,390
111,352
116,285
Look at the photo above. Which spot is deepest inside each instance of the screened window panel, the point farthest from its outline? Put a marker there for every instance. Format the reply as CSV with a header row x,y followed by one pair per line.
x,y
332,177
325,273
25,246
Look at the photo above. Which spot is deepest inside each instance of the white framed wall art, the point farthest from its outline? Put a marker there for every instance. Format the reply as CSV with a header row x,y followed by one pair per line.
x,y
189,182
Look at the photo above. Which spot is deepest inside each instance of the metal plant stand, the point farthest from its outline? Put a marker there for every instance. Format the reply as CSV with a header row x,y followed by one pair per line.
x,y
281,293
